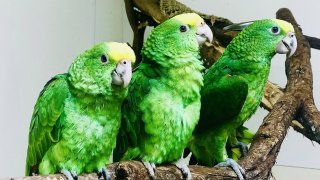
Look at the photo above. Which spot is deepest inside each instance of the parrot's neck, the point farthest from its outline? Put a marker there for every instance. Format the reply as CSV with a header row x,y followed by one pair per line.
x,y
186,80
99,101
180,73
246,62
249,49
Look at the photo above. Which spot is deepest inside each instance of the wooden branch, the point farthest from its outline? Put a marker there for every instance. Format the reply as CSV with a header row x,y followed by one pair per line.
x,y
137,29
309,116
161,10
111,168
272,93
151,8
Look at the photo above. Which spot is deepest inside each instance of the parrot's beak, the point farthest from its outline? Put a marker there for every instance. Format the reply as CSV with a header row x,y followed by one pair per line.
x,y
122,74
204,33
288,45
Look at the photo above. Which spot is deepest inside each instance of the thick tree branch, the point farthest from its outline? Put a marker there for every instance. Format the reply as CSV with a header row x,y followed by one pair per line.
x,y
309,116
111,168
272,93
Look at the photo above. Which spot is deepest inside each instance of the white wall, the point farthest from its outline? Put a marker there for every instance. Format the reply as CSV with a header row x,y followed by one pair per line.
x,y
40,38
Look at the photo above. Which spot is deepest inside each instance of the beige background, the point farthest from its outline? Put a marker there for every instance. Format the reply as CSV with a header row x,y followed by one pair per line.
x,y
40,38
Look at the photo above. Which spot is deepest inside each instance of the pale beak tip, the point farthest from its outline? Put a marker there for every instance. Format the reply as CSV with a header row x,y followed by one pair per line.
x,y
122,74
288,45
204,34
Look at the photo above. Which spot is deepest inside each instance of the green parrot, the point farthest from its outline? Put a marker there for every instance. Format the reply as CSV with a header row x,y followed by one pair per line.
x,y
78,114
233,88
163,103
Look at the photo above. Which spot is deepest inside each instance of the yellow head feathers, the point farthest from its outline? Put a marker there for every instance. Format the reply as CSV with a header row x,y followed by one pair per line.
x,y
286,26
119,51
191,19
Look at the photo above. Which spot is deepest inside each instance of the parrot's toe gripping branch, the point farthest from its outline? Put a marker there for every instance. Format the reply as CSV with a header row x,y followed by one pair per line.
x,y
103,172
69,175
151,168
235,166
243,148
181,164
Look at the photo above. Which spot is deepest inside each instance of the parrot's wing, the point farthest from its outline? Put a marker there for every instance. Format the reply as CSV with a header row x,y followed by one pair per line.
x,y
45,124
221,100
131,124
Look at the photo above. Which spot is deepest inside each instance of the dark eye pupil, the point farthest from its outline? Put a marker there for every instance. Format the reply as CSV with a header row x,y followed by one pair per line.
x,y
275,29
104,58
183,28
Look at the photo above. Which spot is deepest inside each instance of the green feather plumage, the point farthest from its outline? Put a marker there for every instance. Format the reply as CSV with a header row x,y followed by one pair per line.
x,y
163,103
76,118
233,88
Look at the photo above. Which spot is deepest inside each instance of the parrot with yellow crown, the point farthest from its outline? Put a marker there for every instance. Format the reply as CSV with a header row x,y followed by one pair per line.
x,y
163,103
233,87
77,116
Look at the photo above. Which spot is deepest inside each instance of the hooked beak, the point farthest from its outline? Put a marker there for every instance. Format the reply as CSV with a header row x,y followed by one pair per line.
x,y
204,33
288,45
122,74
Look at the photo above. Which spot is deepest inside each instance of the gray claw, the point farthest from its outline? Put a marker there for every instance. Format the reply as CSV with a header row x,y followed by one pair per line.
x,y
181,164
243,148
103,172
70,175
151,168
235,166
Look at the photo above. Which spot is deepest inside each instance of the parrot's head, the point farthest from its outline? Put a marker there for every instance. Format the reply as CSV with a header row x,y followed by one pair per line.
x,y
267,36
106,66
178,36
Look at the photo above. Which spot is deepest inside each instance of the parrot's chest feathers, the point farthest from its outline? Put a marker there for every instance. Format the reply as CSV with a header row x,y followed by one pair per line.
x,y
90,125
186,82
174,102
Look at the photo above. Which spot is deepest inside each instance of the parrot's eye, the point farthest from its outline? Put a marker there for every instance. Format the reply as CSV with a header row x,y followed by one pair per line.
x,y
104,59
183,28
275,30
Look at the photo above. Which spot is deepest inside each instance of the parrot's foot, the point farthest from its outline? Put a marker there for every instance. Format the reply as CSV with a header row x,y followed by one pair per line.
x,y
243,148
70,175
151,168
103,172
235,166
181,164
